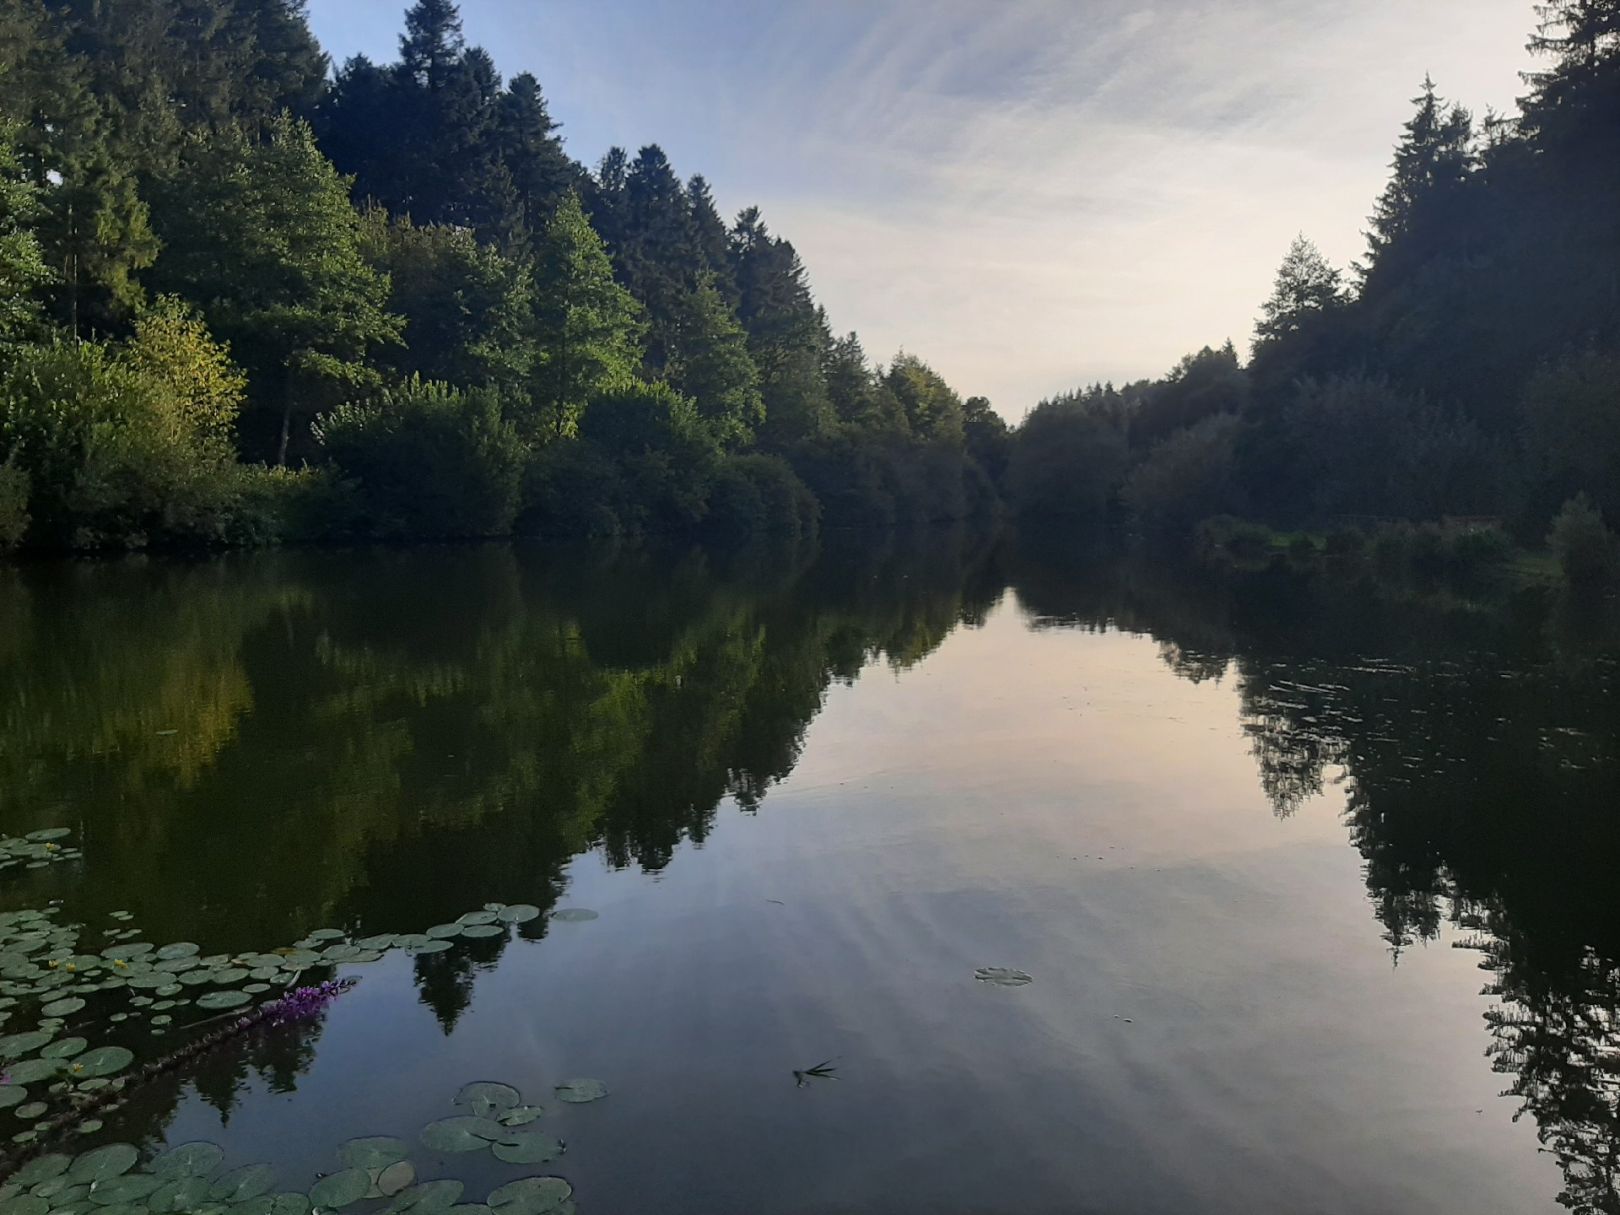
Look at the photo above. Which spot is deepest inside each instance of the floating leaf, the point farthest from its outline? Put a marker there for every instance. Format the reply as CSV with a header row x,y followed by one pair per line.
x,y
42,1168
249,1181
518,913
477,917
521,1116
531,1196
61,1191
127,1188
12,1094
1002,976
340,953
32,1110
483,930
445,931
64,1048
578,1092
32,1071
430,946
103,1061
528,1147
429,1198
216,1000
488,1098
196,1159
48,833
178,950
110,1161
14,1046
24,1204
340,1189
63,1008
396,1177
573,915
178,1194
327,934
386,940
376,1152
461,1134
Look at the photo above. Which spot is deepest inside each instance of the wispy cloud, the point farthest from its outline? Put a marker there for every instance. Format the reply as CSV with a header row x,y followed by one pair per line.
x,y
1029,193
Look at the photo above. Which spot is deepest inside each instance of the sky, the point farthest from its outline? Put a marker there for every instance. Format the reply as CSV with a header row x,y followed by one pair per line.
x,y
1031,195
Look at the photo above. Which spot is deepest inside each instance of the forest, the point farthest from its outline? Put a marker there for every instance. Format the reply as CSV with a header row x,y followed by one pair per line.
x,y
250,296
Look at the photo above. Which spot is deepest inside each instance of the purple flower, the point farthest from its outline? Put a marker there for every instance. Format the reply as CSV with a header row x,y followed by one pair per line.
x,y
305,1003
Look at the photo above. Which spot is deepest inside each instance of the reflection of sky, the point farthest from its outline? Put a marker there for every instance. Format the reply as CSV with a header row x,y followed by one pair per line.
x,y
1101,827
1029,193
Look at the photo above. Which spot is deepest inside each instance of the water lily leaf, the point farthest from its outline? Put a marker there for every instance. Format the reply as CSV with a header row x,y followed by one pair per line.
x,y
340,1189
216,1000
1002,976
412,940
300,959
179,949
430,946
104,1162
178,1194
14,1046
381,941
197,978
376,1152
327,934
196,1159
395,1178
273,1204
461,1134
32,1110
32,1071
428,1198
578,1092
48,833
340,953
488,1098
12,1094
470,1208
89,1126
573,915
483,930
61,1191
230,974
249,1181
24,1204
127,1188
103,1061
521,1116
531,1196
64,1048
518,913
444,932
63,1008
41,1168
477,917
528,1147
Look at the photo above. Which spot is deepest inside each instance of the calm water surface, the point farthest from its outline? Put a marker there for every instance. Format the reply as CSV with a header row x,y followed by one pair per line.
x,y
1317,895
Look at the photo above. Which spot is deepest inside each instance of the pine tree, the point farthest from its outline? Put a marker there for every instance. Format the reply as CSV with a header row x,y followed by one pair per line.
x,y
1418,210
1577,98
587,326
709,362
1307,287
532,152
260,236
710,238
432,43
656,256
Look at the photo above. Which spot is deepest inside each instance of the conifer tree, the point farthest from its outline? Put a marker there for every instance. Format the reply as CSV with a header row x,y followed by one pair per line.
x,y
532,151
709,362
1307,287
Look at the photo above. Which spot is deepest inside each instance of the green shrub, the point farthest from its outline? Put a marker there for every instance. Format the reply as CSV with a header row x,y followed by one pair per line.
x,y
572,488
1584,547
756,494
13,505
1191,475
1228,539
430,461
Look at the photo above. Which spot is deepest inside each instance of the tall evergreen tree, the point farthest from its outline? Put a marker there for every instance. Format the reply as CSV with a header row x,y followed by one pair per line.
x,y
432,44
710,237
709,362
261,237
587,326
1307,288
656,255
533,153
786,333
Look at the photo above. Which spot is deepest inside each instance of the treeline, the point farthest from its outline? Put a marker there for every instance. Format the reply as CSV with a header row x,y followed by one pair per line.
x,y
1468,365
246,298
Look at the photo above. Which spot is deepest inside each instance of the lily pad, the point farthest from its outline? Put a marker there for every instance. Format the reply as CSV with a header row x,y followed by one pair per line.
x,y
518,913
444,932
32,1071
273,1204
327,934
103,1163
488,1098
196,1159
103,1061
42,1168
1002,976
177,1194
32,1110
521,1116
216,1000
428,1198
25,1204
340,1189
63,1008
12,1094
123,1189
462,1134
574,915
429,946
14,1046
393,1179
180,949
531,1196
375,1152
249,1181
477,917
64,1048
528,1147
483,930
578,1092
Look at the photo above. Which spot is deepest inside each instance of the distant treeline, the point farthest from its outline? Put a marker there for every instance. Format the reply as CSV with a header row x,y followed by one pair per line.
x,y
244,297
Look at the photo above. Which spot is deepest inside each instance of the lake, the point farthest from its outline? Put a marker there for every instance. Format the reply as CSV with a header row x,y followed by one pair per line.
x,y
1314,890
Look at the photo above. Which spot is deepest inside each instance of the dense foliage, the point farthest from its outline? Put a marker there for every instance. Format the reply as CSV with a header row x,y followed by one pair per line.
x,y
1468,366
245,297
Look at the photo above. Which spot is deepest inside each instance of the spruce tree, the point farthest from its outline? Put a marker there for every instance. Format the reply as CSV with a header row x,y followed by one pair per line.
x,y
710,238
587,326
709,362
432,43
1307,287
533,153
